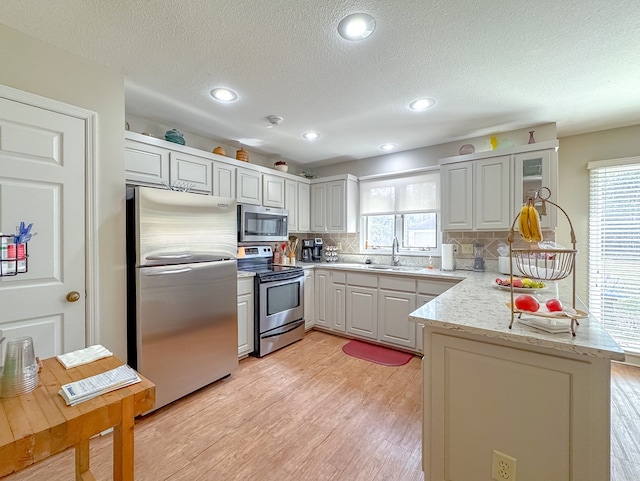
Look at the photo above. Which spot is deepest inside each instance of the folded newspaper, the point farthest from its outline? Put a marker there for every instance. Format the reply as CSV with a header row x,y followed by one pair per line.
x,y
88,388
84,356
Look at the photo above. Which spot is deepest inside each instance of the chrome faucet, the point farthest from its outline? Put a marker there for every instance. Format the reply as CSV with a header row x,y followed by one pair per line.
x,y
395,260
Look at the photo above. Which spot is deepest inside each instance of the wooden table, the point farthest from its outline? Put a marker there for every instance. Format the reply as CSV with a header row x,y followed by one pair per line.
x,y
39,424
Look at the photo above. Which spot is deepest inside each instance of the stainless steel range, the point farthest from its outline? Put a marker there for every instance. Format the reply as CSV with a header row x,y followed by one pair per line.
x,y
279,294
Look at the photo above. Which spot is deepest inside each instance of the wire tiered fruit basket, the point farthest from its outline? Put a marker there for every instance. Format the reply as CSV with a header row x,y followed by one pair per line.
x,y
545,264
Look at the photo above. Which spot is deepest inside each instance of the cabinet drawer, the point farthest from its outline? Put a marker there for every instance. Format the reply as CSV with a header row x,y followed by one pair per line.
x,y
245,286
339,277
358,279
434,287
397,283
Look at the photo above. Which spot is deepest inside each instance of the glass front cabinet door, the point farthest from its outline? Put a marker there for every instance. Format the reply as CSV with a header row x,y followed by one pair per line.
x,y
532,171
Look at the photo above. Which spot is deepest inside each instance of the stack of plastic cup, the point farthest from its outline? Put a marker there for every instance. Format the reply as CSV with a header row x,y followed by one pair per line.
x,y
20,371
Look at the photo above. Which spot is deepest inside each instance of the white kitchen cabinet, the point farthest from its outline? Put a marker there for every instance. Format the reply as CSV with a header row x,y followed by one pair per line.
x,y
273,191
396,300
304,211
476,392
485,191
337,302
362,305
309,298
224,180
533,170
190,171
291,203
145,164
429,289
296,201
476,195
245,316
334,205
322,298
248,186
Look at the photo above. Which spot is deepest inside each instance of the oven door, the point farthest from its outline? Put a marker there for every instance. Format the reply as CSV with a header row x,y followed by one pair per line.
x,y
280,303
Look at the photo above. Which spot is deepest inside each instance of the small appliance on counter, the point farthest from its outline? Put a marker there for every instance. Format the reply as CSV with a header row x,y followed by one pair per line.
x,y
478,257
306,253
317,250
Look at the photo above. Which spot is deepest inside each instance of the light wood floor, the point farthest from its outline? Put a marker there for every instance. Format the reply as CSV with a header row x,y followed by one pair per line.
x,y
308,413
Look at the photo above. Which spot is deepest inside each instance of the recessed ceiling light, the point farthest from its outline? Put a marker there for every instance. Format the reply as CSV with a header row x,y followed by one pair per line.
x,y
224,95
388,147
422,104
311,135
356,26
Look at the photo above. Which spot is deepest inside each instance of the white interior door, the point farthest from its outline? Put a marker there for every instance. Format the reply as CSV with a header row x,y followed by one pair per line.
x,y
42,181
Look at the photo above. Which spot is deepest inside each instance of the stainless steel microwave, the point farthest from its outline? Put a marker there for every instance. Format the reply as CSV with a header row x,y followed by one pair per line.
x,y
262,224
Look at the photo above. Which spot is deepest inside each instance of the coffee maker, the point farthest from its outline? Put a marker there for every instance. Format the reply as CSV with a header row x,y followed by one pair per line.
x,y
306,254
317,249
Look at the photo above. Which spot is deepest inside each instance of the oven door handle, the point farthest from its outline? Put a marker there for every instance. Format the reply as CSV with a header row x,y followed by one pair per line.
x,y
295,326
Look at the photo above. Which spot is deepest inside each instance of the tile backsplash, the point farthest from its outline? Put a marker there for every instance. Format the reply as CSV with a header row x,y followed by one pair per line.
x,y
349,251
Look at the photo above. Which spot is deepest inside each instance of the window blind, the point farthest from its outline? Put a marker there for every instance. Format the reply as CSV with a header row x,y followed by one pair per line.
x,y
614,249
416,193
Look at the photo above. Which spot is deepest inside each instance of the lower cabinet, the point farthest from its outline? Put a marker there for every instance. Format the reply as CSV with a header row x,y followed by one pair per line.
x,y
396,300
362,305
245,316
372,306
337,301
309,301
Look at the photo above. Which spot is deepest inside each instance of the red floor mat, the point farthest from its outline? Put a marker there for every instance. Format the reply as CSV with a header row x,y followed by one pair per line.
x,y
377,354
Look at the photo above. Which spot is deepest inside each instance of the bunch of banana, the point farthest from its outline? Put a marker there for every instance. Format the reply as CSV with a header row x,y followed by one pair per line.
x,y
529,223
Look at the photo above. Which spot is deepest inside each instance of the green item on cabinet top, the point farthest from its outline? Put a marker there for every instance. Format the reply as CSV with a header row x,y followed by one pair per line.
x,y
175,136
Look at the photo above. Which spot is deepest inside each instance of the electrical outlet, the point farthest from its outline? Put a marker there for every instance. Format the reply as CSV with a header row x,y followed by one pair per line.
x,y
503,467
467,248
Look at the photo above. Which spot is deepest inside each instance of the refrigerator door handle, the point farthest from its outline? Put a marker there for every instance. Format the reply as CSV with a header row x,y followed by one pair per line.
x,y
164,257
173,271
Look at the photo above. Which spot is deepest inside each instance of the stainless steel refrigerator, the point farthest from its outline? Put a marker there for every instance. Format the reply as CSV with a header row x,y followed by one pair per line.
x,y
181,289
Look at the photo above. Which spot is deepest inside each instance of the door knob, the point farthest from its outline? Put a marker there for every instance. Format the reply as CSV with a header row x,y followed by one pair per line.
x,y
73,296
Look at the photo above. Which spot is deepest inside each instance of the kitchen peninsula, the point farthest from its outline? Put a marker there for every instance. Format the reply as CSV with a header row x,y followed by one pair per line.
x,y
542,399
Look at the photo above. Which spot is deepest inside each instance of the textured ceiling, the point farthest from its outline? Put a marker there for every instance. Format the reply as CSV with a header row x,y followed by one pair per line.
x,y
491,65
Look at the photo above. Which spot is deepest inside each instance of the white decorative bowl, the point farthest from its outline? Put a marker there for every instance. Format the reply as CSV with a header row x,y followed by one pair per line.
x,y
282,167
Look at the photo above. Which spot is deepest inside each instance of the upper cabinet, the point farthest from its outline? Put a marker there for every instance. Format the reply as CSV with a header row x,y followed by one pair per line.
x,y
248,186
485,191
146,164
156,162
296,201
334,204
190,171
532,171
224,180
272,191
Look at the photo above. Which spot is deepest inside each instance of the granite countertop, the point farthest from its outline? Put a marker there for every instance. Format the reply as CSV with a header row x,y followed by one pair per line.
x,y
477,306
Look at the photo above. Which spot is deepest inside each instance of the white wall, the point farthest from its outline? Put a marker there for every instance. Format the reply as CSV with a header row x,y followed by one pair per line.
x,y
574,154
33,66
428,156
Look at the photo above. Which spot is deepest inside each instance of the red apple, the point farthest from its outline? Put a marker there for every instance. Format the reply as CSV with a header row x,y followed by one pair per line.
x,y
525,302
554,305
518,283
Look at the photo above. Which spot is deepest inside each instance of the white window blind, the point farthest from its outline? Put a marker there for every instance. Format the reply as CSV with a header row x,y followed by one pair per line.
x,y
417,193
614,249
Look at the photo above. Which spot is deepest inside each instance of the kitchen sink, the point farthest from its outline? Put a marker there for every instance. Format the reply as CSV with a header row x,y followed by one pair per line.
x,y
380,268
